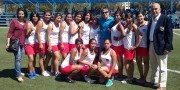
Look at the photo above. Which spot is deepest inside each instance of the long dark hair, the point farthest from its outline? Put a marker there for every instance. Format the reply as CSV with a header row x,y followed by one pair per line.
x,y
32,15
103,43
25,13
56,15
77,13
84,15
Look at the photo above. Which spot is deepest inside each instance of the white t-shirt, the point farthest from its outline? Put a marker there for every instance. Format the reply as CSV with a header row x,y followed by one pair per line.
x,y
85,33
65,34
89,58
43,35
107,59
129,39
31,39
143,30
74,37
54,36
94,33
115,33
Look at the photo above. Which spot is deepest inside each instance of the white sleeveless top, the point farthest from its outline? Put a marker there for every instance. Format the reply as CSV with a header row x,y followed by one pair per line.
x,y
31,39
89,58
143,30
85,33
107,59
65,34
67,59
129,39
115,33
94,33
74,37
43,35
54,36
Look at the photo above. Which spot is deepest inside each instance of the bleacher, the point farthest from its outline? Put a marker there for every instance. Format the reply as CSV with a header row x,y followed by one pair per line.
x,y
6,18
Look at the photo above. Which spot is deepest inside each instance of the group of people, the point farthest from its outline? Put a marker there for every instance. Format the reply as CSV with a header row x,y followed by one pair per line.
x,y
94,46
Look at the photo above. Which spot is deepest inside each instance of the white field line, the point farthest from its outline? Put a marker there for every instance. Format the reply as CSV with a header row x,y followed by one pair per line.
x,y
176,33
174,71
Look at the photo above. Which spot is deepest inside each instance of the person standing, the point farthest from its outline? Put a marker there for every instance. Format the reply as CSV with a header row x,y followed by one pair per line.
x,y
160,38
142,54
30,43
18,28
105,22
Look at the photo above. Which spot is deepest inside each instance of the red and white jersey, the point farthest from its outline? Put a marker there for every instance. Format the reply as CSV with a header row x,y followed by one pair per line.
x,y
129,39
85,33
54,36
115,33
67,59
74,37
89,58
65,34
31,39
143,30
94,33
107,59
43,35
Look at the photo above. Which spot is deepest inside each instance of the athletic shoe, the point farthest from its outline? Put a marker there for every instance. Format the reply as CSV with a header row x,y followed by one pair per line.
x,y
34,73
22,74
46,74
57,74
20,79
109,83
127,81
141,81
31,76
87,79
69,80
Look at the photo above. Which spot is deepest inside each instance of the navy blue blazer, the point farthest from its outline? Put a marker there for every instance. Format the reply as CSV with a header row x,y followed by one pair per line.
x,y
163,35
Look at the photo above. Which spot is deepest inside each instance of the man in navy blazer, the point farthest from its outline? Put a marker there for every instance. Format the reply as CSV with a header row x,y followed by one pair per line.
x,y
160,44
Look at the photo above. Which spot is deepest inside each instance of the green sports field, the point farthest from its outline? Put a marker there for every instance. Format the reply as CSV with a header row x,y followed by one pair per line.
x,y
8,82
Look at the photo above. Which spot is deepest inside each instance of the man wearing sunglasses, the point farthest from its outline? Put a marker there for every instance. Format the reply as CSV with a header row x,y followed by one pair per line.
x,y
105,22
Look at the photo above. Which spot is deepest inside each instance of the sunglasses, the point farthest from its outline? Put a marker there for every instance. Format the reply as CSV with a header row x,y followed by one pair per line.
x,y
104,12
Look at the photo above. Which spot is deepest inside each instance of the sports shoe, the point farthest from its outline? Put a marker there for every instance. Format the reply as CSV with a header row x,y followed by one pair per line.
x,y
22,74
56,74
69,80
87,79
141,81
126,81
109,83
46,74
34,73
20,79
31,76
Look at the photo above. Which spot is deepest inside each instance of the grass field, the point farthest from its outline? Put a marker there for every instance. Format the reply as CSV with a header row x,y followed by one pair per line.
x,y
8,82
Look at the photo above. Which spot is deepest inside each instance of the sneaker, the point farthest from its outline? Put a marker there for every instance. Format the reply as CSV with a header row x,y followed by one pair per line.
x,y
22,74
126,81
87,79
109,83
46,74
20,79
31,76
69,80
141,81
34,73
57,74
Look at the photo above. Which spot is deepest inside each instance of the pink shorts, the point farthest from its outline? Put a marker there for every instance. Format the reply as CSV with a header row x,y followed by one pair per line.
x,y
114,72
84,70
128,54
66,48
54,48
71,46
29,49
66,70
118,49
140,51
43,51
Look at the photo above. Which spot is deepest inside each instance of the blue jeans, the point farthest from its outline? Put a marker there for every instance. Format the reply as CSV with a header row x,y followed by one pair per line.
x,y
18,57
